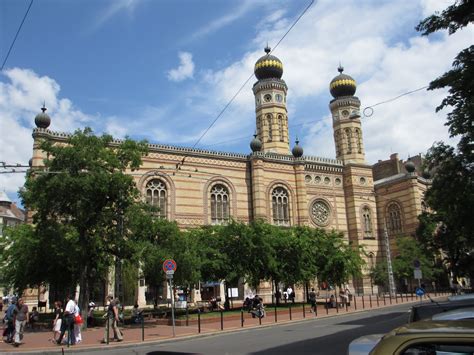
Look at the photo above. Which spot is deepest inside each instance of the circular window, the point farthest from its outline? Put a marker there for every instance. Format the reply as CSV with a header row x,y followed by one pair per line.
x,y
308,178
267,98
317,179
345,113
338,181
363,181
327,180
320,212
279,98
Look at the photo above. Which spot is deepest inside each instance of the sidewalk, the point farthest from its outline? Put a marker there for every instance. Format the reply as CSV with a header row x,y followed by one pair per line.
x,y
39,341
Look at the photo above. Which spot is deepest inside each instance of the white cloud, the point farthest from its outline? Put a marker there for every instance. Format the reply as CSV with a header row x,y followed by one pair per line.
x,y
185,70
21,97
114,7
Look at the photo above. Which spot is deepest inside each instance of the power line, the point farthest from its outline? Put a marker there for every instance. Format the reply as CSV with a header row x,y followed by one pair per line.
x,y
369,110
246,81
17,33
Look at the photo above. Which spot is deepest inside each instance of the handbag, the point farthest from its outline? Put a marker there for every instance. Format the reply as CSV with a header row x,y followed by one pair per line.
x,y
78,319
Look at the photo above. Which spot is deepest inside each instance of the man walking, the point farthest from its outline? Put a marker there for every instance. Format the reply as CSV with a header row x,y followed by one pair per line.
x,y
21,318
9,318
68,322
112,320
312,300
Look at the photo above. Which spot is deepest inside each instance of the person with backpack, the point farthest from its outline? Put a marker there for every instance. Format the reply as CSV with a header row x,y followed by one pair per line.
x,y
10,324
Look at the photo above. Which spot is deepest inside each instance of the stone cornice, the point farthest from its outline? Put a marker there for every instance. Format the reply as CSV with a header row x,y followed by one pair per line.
x,y
344,101
269,84
399,178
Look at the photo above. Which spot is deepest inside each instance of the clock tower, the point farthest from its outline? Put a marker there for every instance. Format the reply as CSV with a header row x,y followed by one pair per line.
x,y
270,105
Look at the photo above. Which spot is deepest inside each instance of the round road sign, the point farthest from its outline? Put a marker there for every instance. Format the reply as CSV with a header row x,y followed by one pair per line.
x,y
169,265
419,291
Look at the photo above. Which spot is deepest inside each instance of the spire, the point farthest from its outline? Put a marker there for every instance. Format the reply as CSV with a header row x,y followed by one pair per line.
x,y
340,68
267,49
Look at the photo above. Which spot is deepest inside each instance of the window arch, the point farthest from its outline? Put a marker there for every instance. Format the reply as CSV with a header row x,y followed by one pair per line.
x,y
269,122
156,195
349,140
280,127
280,206
358,136
394,218
367,222
220,204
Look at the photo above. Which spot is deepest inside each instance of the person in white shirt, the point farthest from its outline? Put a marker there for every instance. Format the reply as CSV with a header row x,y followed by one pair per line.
x,y
77,326
68,321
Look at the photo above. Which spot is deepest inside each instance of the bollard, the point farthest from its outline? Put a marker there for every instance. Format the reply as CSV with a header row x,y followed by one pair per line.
x,y
412,296
363,302
108,330
355,302
384,302
327,308
222,320
290,310
377,297
406,294
187,315
316,309
304,314
199,320
143,328
396,301
390,297
260,320
276,316
370,300
241,317
337,306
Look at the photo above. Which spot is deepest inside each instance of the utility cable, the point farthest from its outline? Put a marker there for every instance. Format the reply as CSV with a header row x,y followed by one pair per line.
x,y
17,33
246,81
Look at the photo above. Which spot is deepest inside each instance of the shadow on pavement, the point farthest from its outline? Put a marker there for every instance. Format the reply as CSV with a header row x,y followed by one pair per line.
x,y
170,353
339,341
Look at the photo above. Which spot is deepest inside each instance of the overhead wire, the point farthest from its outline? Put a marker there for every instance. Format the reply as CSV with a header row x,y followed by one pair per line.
x,y
16,35
246,81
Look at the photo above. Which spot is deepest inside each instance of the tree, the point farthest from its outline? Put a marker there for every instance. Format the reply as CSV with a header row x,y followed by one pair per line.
x,y
84,187
452,192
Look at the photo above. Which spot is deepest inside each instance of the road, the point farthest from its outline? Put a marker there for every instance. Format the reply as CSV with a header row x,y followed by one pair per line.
x,y
312,336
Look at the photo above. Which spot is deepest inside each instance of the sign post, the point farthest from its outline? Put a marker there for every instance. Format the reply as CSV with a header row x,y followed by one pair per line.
x,y
169,267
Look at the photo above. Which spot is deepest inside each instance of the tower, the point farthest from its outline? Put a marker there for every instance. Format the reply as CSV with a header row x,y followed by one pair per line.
x,y
346,119
270,104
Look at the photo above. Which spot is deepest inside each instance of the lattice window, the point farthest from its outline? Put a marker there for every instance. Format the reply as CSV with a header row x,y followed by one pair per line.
x,y
156,195
349,140
394,218
367,222
358,136
280,127
270,133
220,209
280,206
320,212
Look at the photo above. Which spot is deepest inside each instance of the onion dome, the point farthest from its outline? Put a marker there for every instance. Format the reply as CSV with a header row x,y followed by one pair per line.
x,y
297,150
255,144
268,66
42,120
342,85
410,166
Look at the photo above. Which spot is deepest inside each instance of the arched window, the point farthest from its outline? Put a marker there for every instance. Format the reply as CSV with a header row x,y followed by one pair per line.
x,y
280,127
156,196
358,140
280,206
349,140
338,142
220,207
367,222
394,218
269,121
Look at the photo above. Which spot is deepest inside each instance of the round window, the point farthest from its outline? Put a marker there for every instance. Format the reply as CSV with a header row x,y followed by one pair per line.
x,y
308,178
267,98
320,212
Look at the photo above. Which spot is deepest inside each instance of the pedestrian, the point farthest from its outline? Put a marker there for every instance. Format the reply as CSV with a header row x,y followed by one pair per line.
x,y
90,314
34,318
67,323
112,320
291,294
312,300
22,317
58,315
9,330
77,323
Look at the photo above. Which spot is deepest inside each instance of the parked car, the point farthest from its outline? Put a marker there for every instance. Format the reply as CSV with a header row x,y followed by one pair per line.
x,y
456,314
428,310
428,337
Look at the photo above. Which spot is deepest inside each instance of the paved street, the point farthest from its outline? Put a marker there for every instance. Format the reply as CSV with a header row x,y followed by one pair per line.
x,y
311,336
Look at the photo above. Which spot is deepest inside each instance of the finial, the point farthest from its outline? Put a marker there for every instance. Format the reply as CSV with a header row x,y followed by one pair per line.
x,y
267,49
340,69
255,134
44,107
297,140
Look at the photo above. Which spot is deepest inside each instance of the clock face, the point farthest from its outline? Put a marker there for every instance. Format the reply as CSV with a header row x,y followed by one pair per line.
x,y
279,98
267,98
345,113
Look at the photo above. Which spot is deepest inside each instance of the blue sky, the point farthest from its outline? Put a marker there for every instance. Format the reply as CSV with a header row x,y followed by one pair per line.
x,y
162,70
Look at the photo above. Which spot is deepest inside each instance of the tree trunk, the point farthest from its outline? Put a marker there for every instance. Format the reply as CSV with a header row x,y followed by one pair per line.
x,y
83,301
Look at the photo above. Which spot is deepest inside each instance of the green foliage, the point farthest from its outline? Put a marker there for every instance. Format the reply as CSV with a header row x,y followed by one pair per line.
x,y
452,192
379,275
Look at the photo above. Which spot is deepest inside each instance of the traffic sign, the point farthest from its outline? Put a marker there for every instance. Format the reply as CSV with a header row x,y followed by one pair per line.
x,y
169,264
419,292
417,274
169,272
